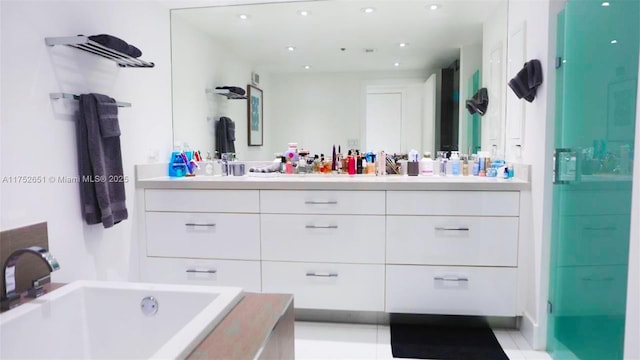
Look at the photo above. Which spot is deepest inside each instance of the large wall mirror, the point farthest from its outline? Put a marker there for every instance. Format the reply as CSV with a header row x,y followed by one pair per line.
x,y
388,75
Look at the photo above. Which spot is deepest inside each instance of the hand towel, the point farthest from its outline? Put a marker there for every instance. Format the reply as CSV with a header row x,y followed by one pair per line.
x,y
479,102
225,133
116,44
102,186
233,89
525,83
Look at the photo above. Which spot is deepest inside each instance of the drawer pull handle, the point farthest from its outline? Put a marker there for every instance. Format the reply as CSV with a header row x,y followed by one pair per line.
x,y
321,227
203,225
452,229
445,278
210,271
603,228
321,202
322,274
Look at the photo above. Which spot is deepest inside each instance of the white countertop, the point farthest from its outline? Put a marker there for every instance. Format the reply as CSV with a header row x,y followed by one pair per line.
x,y
332,182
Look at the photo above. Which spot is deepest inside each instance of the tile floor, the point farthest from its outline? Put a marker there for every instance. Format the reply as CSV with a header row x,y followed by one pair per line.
x,y
315,340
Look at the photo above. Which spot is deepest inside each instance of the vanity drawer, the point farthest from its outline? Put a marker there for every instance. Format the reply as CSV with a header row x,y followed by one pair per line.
x,y
587,290
451,290
323,238
327,286
593,240
322,202
244,274
595,202
229,201
452,240
462,203
202,235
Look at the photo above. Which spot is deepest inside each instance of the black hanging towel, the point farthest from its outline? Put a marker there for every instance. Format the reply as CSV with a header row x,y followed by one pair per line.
x,y
479,102
526,82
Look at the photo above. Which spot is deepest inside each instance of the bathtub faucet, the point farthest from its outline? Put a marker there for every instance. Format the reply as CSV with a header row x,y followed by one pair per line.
x,y
9,297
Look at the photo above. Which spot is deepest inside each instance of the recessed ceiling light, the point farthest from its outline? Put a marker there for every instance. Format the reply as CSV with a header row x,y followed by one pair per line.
x,y
614,41
434,7
605,4
368,10
403,45
396,64
307,67
243,16
291,48
303,13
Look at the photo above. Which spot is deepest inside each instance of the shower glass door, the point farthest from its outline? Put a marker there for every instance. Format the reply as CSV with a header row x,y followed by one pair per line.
x,y
597,70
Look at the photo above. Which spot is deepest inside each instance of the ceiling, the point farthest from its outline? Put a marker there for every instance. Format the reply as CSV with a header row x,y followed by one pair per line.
x,y
434,37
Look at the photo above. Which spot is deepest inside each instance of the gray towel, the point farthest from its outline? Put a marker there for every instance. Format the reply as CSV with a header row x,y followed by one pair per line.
x,y
100,161
225,136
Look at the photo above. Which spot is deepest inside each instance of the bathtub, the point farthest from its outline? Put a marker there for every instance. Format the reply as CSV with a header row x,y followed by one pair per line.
x,y
114,320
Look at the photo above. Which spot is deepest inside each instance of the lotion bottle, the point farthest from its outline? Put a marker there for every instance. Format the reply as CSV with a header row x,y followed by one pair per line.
x,y
426,165
455,163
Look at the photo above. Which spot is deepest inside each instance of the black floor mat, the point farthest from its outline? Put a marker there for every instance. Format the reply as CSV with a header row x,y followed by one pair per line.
x,y
445,342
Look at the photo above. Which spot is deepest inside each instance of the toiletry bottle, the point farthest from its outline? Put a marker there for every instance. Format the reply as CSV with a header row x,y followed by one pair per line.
x,y
288,167
208,169
511,171
283,164
443,164
475,171
465,165
455,163
358,162
482,171
426,165
316,164
322,164
351,164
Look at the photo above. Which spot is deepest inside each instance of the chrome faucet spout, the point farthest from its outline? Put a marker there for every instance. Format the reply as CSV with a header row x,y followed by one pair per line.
x,y
9,297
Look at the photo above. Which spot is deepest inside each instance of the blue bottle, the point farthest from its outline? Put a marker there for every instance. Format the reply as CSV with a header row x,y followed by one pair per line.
x,y
177,167
476,167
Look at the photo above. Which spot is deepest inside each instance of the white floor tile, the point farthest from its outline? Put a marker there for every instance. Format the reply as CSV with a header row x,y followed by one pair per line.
x,y
384,343
335,341
514,354
536,355
505,340
520,341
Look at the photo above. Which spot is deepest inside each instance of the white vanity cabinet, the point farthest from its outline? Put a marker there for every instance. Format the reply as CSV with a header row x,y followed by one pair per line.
x,y
202,237
452,252
352,247
325,247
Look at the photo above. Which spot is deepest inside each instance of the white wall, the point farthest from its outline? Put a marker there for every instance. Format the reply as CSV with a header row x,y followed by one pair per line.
x,y
38,134
536,204
470,61
494,36
317,110
632,324
199,63
429,110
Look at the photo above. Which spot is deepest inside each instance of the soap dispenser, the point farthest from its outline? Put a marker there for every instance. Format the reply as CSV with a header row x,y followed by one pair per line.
x,y
455,163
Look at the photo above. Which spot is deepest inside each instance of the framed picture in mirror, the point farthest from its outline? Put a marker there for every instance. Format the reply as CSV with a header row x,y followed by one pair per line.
x,y
255,115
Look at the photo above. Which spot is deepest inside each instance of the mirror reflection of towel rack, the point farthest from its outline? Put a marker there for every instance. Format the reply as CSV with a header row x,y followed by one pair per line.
x,y
56,96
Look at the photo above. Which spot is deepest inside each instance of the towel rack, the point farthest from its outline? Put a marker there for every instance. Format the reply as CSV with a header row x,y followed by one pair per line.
x,y
226,93
56,96
83,43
